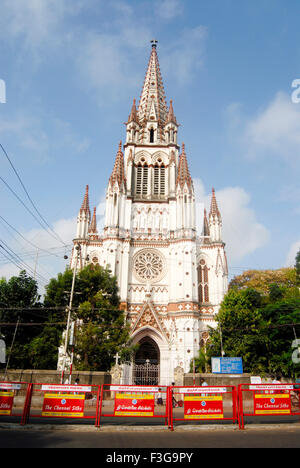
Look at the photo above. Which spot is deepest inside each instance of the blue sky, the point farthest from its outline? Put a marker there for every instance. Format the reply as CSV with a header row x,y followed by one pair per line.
x,y
72,69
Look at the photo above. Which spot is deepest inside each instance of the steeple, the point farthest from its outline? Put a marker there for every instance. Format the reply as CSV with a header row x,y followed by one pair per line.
x,y
152,106
84,217
215,220
118,174
93,225
85,207
183,176
171,116
214,210
133,114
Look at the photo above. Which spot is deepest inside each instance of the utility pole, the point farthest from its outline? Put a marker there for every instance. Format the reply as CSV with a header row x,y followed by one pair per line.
x,y
69,309
11,348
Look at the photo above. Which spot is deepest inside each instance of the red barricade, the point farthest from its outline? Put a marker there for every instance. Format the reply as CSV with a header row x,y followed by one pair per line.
x,y
203,403
134,401
63,401
14,400
268,400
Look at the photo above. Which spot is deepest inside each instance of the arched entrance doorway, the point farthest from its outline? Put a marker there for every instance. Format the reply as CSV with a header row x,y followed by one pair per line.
x,y
146,363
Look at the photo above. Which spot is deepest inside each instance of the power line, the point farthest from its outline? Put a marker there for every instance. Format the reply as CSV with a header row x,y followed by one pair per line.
x,y
29,198
31,243
18,261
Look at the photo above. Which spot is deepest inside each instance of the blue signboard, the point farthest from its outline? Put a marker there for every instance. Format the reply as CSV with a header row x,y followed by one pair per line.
x,y
222,365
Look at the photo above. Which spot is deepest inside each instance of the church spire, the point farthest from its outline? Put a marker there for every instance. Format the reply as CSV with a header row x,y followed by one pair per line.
x,y
85,207
214,210
118,173
171,116
133,114
183,171
93,225
152,106
215,220
84,216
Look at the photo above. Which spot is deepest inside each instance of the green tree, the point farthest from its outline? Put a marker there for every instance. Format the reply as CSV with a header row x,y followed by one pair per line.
x,y
18,297
297,267
202,362
259,329
238,328
102,331
260,280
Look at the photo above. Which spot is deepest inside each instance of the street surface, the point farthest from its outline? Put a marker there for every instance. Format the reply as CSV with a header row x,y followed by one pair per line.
x,y
253,437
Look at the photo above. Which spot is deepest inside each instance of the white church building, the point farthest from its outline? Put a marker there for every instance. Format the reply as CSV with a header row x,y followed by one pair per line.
x,y
171,278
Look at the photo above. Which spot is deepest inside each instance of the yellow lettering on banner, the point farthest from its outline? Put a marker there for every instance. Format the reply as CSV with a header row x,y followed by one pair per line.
x,y
7,394
64,415
203,398
206,416
133,413
272,395
127,396
62,396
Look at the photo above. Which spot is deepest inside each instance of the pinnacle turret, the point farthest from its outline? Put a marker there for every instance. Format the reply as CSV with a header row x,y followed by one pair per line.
x,y
118,173
183,175
214,210
171,116
85,207
93,225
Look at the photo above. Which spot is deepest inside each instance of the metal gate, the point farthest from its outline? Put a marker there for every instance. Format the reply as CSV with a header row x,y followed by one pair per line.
x,y
146,374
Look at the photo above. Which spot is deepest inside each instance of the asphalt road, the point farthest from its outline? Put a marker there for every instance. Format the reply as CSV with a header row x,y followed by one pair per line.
x,y
254,437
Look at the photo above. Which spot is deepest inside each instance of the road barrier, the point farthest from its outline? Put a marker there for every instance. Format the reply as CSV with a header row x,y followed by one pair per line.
x,y
203,403
14,400
133,401
30,401
268,400
62,401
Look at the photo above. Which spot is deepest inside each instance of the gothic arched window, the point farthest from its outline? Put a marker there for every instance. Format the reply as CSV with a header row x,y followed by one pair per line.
x,y
151,136
203,286
141,182
159,180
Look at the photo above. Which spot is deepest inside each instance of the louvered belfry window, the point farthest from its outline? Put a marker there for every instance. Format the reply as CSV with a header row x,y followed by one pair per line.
x,y
141,180
159,180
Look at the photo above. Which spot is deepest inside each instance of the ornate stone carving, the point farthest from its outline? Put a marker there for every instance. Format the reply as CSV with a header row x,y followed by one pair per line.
x,y
149,266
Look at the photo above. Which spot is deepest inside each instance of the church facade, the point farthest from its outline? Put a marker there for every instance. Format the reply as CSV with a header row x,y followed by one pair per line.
x,y
171,279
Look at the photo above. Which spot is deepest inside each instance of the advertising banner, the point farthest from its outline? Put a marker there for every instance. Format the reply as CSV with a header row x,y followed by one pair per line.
x,y
63,406
203,407
134,405
6,403
272,403
10,386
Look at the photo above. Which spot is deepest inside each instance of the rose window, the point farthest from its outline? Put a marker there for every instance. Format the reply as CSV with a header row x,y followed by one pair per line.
x,y
149,266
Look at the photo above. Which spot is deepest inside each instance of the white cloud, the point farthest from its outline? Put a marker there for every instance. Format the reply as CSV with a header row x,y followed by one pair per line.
x,y
36,21
29,134
242,232
291,256
274,131
169,9
185,56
